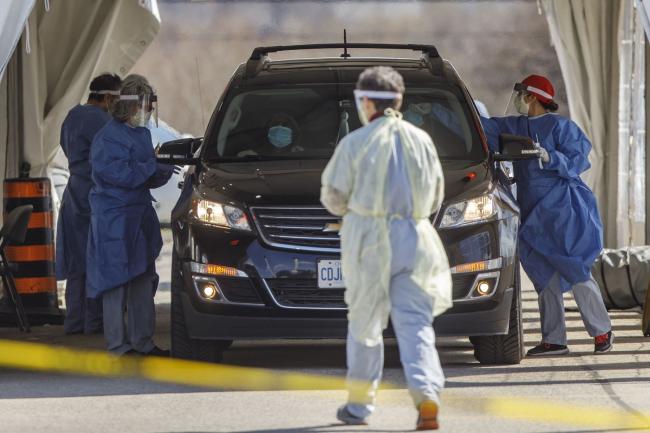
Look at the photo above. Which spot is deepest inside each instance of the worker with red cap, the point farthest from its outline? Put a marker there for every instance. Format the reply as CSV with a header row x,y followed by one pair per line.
x,y
561,232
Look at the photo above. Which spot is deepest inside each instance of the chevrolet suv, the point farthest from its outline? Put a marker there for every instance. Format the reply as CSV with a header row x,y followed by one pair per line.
x,y
256,256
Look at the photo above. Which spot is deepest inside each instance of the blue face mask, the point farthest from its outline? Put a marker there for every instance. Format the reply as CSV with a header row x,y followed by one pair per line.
x,y
280,136
413,117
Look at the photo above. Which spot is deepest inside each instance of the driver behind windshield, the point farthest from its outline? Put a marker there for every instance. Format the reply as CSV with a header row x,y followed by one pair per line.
x,y
282,136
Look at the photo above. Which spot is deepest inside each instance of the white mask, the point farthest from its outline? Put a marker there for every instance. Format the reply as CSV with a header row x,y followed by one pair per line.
x,y
140,118
521,106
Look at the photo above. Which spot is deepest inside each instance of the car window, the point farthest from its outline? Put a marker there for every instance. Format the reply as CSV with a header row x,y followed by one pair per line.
x,y
308,122
440,113
311,115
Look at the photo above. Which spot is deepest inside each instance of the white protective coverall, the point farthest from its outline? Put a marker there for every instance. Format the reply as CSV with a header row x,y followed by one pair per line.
x,y
356,185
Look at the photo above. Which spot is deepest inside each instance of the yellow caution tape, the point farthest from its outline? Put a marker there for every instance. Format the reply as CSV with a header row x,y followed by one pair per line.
x,y
41,357
565,414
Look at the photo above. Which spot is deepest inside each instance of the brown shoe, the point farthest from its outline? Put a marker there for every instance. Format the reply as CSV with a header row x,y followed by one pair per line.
x,y
428,418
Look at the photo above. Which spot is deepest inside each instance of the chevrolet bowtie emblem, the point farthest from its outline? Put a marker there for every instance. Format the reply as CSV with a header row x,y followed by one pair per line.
x,y
332,228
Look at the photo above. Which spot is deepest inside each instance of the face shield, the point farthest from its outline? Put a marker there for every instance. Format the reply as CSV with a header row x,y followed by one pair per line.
x,y
516,104
147,109
151,102
360,95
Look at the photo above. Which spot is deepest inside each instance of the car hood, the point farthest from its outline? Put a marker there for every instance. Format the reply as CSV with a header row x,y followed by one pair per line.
x,y
298,182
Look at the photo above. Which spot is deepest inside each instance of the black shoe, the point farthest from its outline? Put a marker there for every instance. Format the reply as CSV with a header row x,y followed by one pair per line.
x,y
603,343
157,351
344,415
131,352
546,349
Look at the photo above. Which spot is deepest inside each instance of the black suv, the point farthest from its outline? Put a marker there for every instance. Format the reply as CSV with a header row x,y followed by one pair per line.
x,y
256,256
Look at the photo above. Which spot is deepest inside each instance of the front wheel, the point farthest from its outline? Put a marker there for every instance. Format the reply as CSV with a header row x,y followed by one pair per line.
x,y
182,345
509,348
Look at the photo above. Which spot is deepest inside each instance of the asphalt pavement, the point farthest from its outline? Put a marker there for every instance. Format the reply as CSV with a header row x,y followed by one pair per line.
x,y
583,384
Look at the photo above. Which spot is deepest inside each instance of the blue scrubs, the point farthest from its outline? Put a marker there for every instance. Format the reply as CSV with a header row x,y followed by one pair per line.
x,y
560,228
125,237
78,130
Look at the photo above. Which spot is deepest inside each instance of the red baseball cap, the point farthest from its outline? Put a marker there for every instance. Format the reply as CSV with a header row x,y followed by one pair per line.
x,y
540,87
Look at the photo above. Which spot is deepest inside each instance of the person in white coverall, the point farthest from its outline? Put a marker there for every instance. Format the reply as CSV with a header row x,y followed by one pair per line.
x,y
385,179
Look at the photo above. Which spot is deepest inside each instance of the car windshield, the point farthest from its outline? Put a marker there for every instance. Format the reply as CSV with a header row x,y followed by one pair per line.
x,y
308,122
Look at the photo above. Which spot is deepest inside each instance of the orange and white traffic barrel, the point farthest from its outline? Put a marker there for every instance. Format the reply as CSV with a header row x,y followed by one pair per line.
x,y
32,262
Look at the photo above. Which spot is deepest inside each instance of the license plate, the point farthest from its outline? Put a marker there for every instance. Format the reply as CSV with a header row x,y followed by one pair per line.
x,y
330,275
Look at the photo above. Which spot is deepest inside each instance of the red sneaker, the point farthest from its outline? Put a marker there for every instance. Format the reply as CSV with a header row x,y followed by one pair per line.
x,y
603,343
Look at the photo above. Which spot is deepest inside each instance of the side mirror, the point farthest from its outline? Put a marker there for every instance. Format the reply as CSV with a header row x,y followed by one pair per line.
x,y
179,152
516,148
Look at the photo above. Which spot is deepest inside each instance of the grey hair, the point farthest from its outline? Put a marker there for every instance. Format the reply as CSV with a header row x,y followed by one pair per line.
x,y
132,85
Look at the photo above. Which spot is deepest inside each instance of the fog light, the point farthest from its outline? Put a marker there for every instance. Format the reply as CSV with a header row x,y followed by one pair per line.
x,y
209,291
483,288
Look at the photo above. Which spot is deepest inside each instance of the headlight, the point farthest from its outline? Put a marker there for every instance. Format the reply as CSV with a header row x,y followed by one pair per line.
x,y
469,212
221,215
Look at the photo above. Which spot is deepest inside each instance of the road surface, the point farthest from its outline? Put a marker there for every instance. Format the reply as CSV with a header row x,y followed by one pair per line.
x,y
617,382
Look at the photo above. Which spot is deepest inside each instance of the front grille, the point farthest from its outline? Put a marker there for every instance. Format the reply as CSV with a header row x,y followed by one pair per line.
x,y
304,293
462,284
238,290
298,228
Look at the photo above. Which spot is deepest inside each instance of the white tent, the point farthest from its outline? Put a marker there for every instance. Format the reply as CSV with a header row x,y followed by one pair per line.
x,y
13,16
600,46
50,50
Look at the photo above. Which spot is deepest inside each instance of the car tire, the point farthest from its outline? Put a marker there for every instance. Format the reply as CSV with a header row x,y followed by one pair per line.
x,y
509,348
182,346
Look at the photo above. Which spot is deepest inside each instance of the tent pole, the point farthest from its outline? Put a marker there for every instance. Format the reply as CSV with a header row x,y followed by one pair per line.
x,y
647,140
15,124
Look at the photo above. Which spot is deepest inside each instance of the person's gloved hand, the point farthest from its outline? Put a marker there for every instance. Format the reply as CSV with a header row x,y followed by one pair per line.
x,y
544,156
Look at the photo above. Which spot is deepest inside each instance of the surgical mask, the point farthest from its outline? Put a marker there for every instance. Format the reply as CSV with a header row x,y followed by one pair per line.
x,y
280,136
140,119
413,117
416,112
520,105
147,108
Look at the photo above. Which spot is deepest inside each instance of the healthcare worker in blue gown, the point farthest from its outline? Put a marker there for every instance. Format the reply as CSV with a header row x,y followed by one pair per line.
x,y
83,314
561,233
125,237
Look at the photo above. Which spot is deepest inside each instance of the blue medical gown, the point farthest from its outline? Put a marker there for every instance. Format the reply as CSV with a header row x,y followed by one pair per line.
x,y
560,227
77,133
125,234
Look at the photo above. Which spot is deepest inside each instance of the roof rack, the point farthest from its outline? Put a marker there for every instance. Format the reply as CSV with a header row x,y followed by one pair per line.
x,y
260,54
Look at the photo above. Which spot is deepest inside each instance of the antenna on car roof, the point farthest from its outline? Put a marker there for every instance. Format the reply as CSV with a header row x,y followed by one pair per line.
x,y
345,54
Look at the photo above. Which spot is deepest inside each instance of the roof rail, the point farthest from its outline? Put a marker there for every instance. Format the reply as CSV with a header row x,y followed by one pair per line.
x,y
260,54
